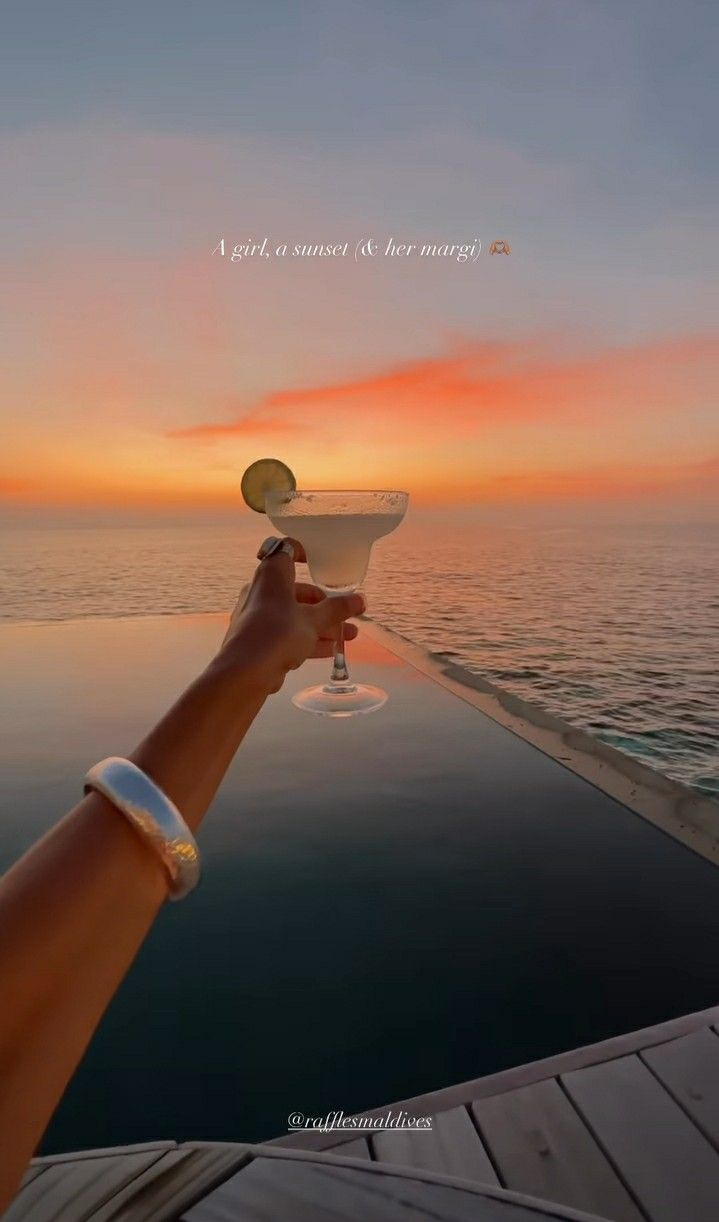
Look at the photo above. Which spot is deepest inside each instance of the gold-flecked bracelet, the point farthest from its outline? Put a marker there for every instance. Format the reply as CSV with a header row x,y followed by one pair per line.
x,y
154,817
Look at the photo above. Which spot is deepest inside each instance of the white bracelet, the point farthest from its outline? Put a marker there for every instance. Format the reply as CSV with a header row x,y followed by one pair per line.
x,y
153,815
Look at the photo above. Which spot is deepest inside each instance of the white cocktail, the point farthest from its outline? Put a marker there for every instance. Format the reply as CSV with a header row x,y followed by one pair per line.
x,y
337,530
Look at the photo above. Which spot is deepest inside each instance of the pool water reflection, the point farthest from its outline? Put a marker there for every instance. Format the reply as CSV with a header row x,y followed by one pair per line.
x,y
390,904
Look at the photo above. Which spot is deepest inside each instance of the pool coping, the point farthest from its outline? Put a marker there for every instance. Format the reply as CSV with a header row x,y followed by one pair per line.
x,y
669,805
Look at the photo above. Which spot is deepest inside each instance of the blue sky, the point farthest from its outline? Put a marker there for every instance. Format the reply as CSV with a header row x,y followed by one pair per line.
x,y
623,86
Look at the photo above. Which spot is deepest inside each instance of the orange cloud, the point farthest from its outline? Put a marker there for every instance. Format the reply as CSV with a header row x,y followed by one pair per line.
x,y
481,383
11,486
247,426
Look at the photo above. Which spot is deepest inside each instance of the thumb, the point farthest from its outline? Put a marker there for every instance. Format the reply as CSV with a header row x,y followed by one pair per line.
x,y
332,611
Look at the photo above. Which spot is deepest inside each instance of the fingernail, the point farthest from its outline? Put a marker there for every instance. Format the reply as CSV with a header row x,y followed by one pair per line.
x,y
358,604
270,545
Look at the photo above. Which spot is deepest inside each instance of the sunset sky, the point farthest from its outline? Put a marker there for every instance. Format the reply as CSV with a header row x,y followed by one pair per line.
x,y
141,372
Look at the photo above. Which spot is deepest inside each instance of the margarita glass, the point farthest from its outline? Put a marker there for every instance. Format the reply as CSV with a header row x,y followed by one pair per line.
x,y
337,530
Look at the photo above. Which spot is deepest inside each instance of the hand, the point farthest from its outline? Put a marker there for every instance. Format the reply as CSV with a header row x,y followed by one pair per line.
x,y
278,622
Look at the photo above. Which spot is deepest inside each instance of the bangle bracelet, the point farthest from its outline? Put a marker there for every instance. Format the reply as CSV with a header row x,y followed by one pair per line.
x,y
153,816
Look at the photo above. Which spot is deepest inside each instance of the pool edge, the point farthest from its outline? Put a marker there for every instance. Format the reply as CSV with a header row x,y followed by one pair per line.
x,y
671,806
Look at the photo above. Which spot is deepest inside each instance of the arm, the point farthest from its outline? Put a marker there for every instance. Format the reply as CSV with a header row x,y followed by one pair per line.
x,y
76,908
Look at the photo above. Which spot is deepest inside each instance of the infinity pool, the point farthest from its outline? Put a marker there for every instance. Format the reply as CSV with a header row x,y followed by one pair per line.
x,y
390,904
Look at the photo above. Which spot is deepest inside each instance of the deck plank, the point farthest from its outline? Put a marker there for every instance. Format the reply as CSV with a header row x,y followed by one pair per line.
x,y
452,1146
540,1146
359,1148
689,1069
303,1191
671,1168
76,1156
77,1189
126,1202
180,1178
32,1173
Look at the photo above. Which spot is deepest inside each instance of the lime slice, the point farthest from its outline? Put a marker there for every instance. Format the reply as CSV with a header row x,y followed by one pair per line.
x,y
265,475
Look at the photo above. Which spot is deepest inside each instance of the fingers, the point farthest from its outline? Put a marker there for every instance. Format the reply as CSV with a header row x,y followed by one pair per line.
x,y
275,575
237,611
324,649
277,543
351,631
331,612
242,598
305,592
325,646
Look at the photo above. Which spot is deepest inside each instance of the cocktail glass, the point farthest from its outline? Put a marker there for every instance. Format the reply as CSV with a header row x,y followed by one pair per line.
x,y
337,530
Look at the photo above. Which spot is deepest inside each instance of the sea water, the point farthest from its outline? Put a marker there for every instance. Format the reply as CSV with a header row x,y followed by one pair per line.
x,y
612,627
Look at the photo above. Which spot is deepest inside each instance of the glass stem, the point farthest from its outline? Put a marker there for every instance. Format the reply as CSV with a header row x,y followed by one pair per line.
x,y
340,673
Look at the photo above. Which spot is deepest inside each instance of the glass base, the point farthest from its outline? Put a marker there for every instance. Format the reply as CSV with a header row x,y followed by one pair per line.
x,y
340,699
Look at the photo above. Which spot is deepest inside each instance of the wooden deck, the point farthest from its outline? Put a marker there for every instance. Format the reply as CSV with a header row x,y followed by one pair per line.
x,y
236,1183
626,1130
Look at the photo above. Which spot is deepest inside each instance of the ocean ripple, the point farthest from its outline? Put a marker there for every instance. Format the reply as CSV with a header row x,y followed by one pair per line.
x,y
614,629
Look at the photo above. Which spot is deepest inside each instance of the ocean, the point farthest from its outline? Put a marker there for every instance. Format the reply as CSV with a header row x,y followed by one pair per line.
x,y
613,628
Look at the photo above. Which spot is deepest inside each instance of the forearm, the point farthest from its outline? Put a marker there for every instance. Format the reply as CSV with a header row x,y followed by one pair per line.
x,y
75,910
190,750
